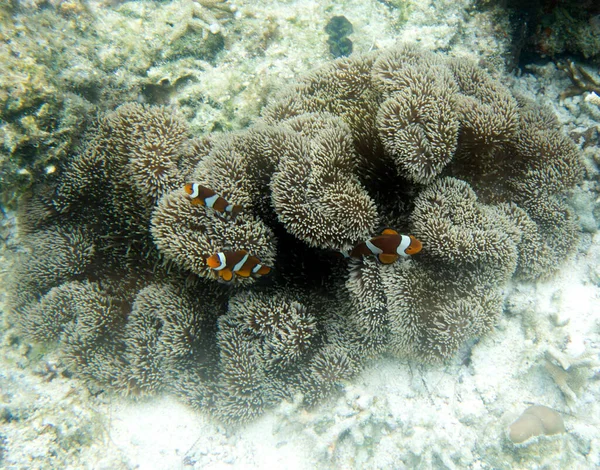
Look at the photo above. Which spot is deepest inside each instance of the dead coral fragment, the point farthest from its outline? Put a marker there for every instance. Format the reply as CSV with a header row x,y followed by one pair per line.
x,y
582,80
593,98
202,16
571,374
537,420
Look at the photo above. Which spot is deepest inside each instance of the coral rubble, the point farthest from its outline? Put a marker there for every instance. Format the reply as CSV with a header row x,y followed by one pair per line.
x,y
116,269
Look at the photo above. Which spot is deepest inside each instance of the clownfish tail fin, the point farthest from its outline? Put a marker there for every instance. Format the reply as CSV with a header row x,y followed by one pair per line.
x,y
235,210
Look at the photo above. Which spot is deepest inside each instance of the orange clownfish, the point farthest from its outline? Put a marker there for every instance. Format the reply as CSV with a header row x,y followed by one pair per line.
x,y
203,196
239,262
388,246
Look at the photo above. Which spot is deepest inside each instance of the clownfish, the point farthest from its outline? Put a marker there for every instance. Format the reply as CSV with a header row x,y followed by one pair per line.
x,y
239,262
388,246
203,196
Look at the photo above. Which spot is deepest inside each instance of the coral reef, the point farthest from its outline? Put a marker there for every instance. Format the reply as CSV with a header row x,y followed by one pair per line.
x,y
42,112
404,138
63,63
568,27
552,28
582,79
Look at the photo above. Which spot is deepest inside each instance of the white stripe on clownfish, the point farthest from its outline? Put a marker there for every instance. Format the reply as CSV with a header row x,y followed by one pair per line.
x,y
241,263
373,248
256,268
387,247
210,201
203,196
195,191
222,261
404,244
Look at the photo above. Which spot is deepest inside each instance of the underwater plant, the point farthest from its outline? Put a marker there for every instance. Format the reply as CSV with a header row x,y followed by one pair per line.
x,y
153,284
